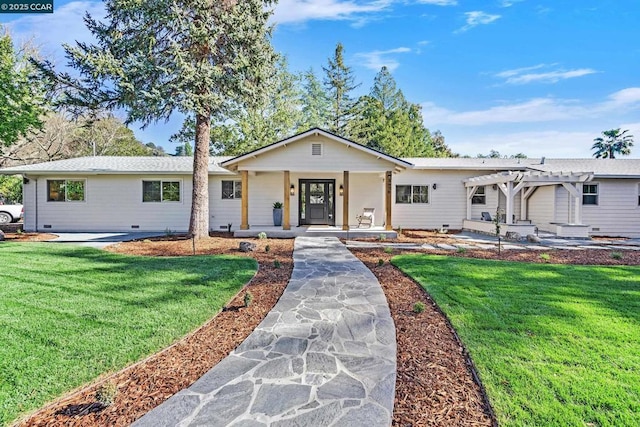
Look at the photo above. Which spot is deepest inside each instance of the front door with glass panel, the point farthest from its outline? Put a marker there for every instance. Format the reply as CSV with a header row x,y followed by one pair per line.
x,y
317,201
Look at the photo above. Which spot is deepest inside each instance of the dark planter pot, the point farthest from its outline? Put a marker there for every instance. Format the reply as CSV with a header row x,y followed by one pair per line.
x,y
277,217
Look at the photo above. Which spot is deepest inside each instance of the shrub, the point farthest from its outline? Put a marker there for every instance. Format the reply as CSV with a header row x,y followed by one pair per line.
x,y
267,248
262,235
418,307
276,263
388,250
462,250
168,232
106,394
545,257
248,298
382,237
380,262
616,255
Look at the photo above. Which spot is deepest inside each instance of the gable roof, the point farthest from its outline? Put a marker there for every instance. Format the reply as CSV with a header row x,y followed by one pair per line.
x,y
230,163
105,165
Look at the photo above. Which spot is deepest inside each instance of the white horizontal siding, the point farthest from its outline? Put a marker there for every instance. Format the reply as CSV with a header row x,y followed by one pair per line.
x,y
112,203
298,157
617,212
447,203
541,207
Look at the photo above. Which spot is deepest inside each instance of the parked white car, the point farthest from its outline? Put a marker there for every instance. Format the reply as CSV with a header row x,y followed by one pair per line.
x,y
10,213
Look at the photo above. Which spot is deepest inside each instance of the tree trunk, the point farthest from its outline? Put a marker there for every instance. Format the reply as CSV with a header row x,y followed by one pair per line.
x,y
199,222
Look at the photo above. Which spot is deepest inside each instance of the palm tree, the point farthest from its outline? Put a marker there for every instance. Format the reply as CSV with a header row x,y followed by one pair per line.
x,y
613,142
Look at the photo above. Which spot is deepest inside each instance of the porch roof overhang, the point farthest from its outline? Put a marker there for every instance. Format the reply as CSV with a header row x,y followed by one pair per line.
x,y
529,178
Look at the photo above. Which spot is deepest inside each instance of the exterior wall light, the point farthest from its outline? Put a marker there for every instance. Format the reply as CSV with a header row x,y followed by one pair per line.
x,y
434,186
292,190
341,189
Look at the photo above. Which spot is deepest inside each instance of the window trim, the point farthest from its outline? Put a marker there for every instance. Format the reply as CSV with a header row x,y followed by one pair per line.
x,y
162,199
237,187
66,198
476,197
596,194
412,194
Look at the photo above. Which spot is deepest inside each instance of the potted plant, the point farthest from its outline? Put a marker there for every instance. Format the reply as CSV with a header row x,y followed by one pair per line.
x,y
277,213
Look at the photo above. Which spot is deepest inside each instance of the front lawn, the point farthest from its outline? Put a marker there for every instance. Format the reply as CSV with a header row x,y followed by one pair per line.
x,y
69,314
555,345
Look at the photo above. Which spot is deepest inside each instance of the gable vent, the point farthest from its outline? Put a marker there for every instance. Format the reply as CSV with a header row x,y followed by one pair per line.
x,y
316,149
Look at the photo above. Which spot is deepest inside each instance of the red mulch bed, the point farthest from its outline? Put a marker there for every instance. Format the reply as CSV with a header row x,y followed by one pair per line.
x,y
29,237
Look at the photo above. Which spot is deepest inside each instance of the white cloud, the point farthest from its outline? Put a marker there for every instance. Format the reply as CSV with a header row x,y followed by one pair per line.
x,y
476,18
439,2
534,110
299,11
509,3
49,31
379,58
525,76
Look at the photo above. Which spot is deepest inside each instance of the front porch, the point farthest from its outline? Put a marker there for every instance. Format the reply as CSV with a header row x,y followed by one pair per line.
x,y
351,232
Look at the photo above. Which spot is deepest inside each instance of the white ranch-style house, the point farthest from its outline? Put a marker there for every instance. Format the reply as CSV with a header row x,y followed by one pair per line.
x,y
327,181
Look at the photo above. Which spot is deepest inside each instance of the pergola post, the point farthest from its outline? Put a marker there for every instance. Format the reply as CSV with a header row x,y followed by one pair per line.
x,y
286,220
510,196
345,200
387,200
244,223
470,192
575,191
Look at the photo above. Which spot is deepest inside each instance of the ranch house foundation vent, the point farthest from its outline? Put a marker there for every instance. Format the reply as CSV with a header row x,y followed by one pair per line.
x,y
135,226
46,226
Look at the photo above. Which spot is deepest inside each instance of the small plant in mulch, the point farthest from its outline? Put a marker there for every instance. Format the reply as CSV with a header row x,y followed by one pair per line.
x,y
380,262
388,250
262,235
248,298
462,250
106,394
545,257
382,237
267,248
616,255
277,263
399,231
418,307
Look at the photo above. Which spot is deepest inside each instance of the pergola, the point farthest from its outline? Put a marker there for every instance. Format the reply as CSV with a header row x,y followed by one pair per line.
x,y
512,182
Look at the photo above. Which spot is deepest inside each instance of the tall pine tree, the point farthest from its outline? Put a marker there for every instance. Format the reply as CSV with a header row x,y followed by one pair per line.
x,y
316,105
200,57
339,82
387,122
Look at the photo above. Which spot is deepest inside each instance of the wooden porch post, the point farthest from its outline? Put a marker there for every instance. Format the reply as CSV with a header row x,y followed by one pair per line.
x,y
387,200
345,200
244,224
287,203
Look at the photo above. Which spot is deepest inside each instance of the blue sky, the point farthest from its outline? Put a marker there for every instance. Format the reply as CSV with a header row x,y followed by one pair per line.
x,y
541,77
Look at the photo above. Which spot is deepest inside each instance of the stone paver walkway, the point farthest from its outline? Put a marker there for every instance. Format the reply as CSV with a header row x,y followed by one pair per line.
x,y
324,356
471,241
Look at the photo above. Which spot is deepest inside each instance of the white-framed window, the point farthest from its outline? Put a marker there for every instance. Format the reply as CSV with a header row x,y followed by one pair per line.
x,y
638,194
232,190
412,194
479,196
160,191
66,190
589,194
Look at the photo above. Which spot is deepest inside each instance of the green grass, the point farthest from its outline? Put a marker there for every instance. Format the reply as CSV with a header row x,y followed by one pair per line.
x,y
69,314
555,345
